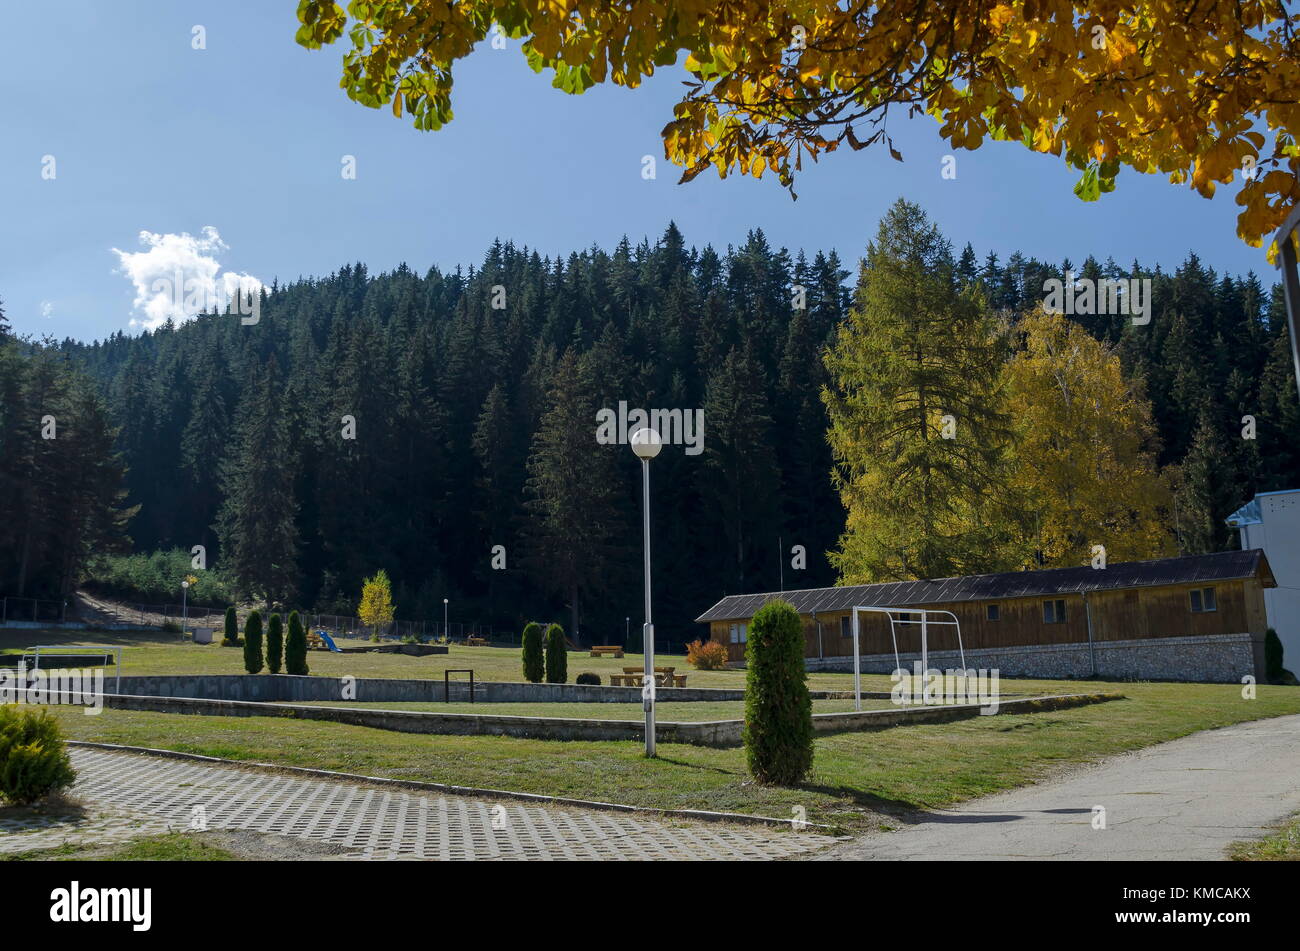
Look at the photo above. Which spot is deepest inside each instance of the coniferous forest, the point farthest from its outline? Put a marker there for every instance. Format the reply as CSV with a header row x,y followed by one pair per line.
x,y
413,422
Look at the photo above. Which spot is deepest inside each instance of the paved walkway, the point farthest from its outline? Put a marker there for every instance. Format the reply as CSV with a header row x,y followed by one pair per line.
x,y
128,795
1186,799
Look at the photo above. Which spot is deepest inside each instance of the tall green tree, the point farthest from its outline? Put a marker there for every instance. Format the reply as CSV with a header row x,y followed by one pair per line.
x,y
916,424
259,538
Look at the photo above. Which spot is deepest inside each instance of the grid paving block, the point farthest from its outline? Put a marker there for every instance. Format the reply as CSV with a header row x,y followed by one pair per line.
x,y
127,795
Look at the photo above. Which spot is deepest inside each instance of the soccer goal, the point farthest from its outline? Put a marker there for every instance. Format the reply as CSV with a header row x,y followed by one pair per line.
x,y
921,617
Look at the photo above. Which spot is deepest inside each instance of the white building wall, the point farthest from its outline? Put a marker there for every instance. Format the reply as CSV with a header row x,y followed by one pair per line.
x,y
1279,535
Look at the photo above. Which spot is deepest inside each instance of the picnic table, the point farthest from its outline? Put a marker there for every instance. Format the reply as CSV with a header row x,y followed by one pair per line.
x,y
476,641
614,650
635,677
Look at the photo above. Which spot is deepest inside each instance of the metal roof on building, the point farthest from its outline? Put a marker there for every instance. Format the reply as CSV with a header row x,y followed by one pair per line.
x,y
1188,569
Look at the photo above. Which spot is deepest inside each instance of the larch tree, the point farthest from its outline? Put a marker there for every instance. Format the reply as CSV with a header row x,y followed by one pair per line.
x,y
1083,471
916,426
376,608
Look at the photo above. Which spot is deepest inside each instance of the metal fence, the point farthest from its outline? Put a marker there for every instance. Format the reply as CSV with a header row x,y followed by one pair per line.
x,y
20,611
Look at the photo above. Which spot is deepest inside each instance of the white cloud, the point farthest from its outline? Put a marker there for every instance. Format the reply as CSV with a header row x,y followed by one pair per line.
x,y
179,276
47,309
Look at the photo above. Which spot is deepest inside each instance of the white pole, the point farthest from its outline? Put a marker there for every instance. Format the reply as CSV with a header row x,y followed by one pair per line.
x,y
857,666
925,652
649,635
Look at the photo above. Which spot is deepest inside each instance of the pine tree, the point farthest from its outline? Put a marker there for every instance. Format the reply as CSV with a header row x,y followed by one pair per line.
x,y
916,424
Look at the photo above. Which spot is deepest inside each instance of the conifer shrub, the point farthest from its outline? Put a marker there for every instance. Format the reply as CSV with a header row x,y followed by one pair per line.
x,y
230,638
295,648
778,730
275,644
33,757
534,661
586,677
557,656
1273,660
253,643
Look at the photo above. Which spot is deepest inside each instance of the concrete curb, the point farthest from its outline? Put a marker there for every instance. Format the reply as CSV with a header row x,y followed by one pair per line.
x,y
701,815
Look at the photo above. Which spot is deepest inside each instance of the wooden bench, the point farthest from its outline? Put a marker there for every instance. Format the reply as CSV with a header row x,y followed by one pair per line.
x,y
614,650
635,677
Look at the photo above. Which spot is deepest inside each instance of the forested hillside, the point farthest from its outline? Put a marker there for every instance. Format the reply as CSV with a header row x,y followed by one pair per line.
x,y
467,422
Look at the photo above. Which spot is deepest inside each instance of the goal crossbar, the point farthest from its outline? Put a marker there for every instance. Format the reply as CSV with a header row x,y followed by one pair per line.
x,y
925,623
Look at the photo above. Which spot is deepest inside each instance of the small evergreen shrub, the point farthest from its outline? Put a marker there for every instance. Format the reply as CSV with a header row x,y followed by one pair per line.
x,y
253,643
778,709
557,656
1273,659
295,648
275,644
33,758
706,655
230,638
534,662
587,678
171,627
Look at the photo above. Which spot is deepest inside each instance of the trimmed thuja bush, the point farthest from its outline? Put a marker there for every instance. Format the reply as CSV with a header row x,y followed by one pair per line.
x,y
1273,660
231,635
253,643
295,648
534,664
33,758
274,644
778,708
587,678
557,656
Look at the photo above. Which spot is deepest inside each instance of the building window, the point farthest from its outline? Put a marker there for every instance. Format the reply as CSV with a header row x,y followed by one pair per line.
x,y
735,633
846,626
1054,612
1203,600
991,612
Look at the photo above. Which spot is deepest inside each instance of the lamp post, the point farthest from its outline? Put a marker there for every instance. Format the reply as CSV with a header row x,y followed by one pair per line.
x,y
627,630
445,633
1290,267
646,444
185,609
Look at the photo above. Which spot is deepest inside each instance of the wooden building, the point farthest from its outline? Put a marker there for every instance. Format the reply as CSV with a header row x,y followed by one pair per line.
x,y
1193,596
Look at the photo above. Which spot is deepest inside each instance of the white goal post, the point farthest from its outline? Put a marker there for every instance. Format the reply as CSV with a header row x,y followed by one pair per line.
x,y
925,622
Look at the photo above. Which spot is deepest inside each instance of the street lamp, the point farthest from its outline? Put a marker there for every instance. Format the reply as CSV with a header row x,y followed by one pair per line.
x,y
445,633
185,610
1287,263
646,444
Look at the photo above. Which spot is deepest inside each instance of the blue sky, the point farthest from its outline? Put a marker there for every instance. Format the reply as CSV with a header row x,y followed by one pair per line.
x,y
247,136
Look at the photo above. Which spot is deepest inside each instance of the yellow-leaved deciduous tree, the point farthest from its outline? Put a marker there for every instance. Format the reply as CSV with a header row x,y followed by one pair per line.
x,y
1084,470
1202,93
376,608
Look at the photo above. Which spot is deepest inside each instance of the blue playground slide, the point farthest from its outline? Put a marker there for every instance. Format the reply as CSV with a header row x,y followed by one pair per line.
x,y
329,642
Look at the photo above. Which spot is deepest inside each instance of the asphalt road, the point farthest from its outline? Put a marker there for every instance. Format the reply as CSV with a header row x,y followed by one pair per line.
x,y
1186,799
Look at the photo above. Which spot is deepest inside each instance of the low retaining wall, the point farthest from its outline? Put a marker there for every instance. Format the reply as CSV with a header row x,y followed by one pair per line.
x,y
720,733
293,688
1219,658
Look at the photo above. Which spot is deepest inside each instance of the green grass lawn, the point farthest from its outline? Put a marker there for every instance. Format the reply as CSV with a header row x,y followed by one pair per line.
x,y
1280,846
169,847
680,711
859,780
154,653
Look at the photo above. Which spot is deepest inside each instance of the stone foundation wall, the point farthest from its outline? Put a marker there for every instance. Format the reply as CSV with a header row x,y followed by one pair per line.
x,y
1220,658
